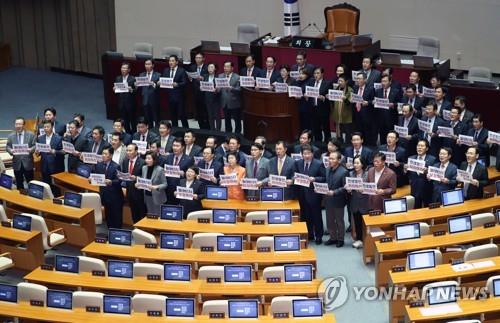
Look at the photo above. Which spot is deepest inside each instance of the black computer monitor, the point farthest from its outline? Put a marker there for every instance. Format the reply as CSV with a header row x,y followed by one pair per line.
x,y
460,223
238,273
395,205
35,190
180,307
496,287
441,295
407,231
84,170
59,299
173,241
6,181
21,222
287,242
120,268
497,186
279,216
67,264
216,193
224,216
171,212
229,243
177,272
271,194
310,307
120,237
452,197
421,260
298,273
73,199
246,309
117,304
8,293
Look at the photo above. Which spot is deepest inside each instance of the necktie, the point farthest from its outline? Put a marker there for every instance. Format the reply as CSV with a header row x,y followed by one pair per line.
x,y
188,150
306,168
358,105
207,165
172,72
176,161
316,99
249,72
280,166
385,93
163,142
106,169
405,124
142,138
199,69
255,165
19,139
94,149
268,74
466,185
149,76
419,158
476,134
131,167
356,154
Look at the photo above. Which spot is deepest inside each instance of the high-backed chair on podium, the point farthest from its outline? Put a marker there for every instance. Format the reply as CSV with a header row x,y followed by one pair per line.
x,y
171,50
428,46
482,74
247,33
341,19
145,49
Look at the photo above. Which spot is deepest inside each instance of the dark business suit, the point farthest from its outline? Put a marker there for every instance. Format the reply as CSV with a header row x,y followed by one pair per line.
x,y
183,162
195,151
401,158
335,204
434,141
420,187
150,137
372,76
273,77
23,165
467,118
364,118
445,105
438,187
126,104
213,106
135,196
484,149
151,99
316,150
199,96
287,170
166,145
176,96
307,66
80,143
216,166
412,125
52,163
111,195
92,147
366,154
386,119
230,99
256,72
305,111
417,103
309,201
459,128
321,111
194,205
481,174
261,174
386,182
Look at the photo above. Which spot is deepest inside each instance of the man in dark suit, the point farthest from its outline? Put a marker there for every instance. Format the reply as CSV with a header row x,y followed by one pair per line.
x,y
459,128
222,149
270,71
283,165
22,164
421,188
143,133
209,162
384,178
310,201
306,137
234,146
53,161
79,142
176,94
165,137
411,97
257,167
98,143
414,79
386,118
395,84
126,101
301,63
358,149
50,114
177,158
150,94
397,167
119,126
192,149
441,102
335,200
230,99
135,197
474,190
250,69
450,174
363,112
435,121
409,120
111,194
320,106
199,97
480,135
372,75
84,131
465,114
262,140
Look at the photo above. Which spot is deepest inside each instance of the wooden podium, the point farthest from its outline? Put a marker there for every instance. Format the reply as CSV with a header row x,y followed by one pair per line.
x,y
270,114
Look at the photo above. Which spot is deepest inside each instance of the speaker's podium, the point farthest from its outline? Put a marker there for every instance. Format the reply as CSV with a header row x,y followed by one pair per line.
x,y
270,114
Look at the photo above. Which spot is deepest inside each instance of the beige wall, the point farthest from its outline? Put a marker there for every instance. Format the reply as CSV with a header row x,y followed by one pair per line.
x,y
468,29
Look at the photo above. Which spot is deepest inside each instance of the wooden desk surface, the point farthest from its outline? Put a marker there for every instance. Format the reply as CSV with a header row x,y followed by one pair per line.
x,y
250,206
24,310
197,256
192,288
493,174
429,241
245,228
17,235
71,179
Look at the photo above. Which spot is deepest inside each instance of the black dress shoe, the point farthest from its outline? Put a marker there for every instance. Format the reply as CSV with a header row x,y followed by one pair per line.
x,y
340,244
310,238
330,242
349,229
325,232
319,241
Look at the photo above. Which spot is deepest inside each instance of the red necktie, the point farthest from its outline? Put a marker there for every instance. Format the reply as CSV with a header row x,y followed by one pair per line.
x,y
131,167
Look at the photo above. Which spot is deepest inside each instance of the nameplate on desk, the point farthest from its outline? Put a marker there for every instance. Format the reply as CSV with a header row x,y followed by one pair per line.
x,y
273,280
99,273
434,205
258,222
206,249
398,269
6,224
456,261
487,195
152,216
100,240
439,233
264,249
385,239
203,220
252,198
153,277
216,315
416,304
155,313
151,245
306,42
213,280
46,267
281,315
57,201
374,212
93,309
489,225
36,303
23,192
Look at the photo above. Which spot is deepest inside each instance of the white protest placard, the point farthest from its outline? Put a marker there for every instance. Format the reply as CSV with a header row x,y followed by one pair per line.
x,y
249,184
222,83
369,188
416,165
294,74
68,147
326,161
466,140
390,157
464,176
354,75
381,103
320,188
41,132
301,180
494,137
263,83
142,81
277,181
335,95
97,179
294,91
446,132
297,156
356,98
247,81
207,86
184,193
121,87
98,158
435,173
43,148
143,184
206,174
402,131
354,183
124,176
312,91
428,92
424,126
193,75
89,158
197,159
20,149
141,146
172,171
280,87
400,108
228,180
377,86
166,82
348,163
446,115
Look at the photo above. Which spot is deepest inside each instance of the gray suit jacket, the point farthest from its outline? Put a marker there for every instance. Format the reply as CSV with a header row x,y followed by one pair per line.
x,y
26,160
231,98
262,169
157,178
